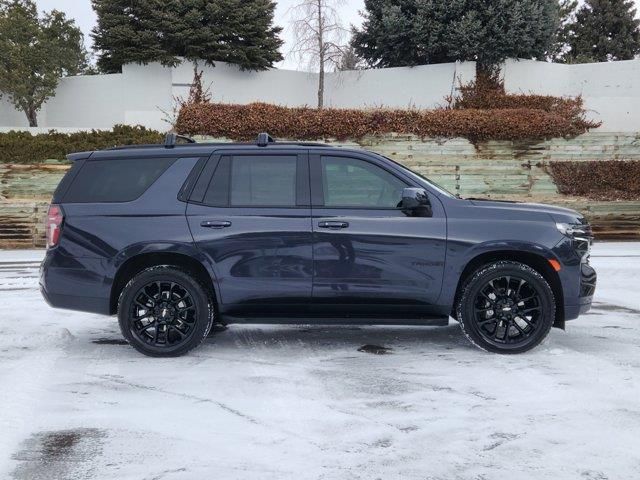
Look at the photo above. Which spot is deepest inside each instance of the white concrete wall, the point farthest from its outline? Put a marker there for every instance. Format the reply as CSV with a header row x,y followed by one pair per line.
x,y
96,101
141,93
611,91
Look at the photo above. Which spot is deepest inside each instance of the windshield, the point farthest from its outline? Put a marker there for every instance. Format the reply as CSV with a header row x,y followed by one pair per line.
x,y
422,178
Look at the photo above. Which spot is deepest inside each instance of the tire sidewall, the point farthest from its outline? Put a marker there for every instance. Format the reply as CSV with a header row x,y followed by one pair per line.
x,y
466,313
202,301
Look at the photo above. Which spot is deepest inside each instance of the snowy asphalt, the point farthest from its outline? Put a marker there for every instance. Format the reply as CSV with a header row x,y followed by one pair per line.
x,y
301,402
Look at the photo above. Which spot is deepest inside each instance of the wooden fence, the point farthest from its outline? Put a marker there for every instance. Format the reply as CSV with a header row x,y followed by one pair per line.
x,y
516,170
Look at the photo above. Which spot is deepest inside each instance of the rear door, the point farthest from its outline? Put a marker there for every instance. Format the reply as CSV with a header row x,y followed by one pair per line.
x,y
367,251
249,212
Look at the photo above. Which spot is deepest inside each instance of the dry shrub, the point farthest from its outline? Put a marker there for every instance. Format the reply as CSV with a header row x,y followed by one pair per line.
x,y
598,180
243,122
488,93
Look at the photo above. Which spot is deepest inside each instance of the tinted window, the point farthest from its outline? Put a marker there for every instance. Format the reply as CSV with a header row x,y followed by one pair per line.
x,y
349,182
263,181
218,192
115,180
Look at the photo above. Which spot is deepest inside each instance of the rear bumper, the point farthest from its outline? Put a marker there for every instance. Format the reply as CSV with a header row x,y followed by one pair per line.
x,y
74,284
74,302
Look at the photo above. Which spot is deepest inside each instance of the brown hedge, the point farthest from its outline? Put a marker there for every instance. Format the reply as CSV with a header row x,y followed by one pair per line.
x,y
243,122
22,147
598,180
488,93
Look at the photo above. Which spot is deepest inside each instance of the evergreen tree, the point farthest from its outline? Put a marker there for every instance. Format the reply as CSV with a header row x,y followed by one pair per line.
x,y
129,32
349,60
35,52
605,30
235,31
412,32
562,37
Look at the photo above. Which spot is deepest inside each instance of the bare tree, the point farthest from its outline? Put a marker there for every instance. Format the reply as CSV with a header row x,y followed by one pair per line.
x,y
318,37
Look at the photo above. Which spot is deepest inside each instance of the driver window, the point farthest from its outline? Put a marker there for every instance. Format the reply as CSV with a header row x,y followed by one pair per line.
x,y
349,182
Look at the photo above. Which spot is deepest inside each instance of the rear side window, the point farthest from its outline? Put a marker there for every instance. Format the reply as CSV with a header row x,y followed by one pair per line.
x,y
253,181
263,181
115,180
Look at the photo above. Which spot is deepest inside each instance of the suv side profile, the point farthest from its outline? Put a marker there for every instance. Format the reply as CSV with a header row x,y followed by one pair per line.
x,y
176,237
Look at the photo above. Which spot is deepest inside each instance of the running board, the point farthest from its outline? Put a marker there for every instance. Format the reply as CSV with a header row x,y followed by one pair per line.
x,y
440,321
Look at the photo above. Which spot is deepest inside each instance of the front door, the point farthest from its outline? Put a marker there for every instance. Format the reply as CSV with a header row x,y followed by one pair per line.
x,y
250,215
367,251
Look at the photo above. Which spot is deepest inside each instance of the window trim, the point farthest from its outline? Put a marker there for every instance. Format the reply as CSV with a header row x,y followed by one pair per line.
x,y
302,184
317,181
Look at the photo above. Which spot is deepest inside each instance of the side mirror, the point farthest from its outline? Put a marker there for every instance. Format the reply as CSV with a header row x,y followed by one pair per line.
x,y
415,202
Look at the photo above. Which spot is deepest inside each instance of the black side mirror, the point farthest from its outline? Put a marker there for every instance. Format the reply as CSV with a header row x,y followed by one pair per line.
x,y
415,202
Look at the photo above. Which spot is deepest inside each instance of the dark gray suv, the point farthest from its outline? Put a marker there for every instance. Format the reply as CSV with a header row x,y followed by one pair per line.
x,y
176,237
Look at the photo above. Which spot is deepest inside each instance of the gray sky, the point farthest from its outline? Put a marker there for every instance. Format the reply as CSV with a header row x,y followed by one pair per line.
x,y
84,16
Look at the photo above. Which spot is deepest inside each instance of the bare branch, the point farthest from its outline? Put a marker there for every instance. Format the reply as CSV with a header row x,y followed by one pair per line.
x,y
318,36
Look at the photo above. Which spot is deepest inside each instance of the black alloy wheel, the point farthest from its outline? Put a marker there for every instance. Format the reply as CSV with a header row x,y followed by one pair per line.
x,y
506,307
163,311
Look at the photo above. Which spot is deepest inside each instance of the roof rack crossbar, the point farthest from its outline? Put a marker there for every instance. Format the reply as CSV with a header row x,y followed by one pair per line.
x,y
172,138
264,139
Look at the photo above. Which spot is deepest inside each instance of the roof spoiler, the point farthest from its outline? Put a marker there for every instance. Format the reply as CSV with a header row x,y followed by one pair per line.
x,y
72,157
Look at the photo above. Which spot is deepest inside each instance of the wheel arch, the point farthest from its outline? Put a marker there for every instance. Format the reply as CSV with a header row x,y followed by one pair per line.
x,y
536,261
146,259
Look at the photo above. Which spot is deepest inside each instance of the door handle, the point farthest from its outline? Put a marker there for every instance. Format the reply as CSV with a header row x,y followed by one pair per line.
x,y
333,224
215,224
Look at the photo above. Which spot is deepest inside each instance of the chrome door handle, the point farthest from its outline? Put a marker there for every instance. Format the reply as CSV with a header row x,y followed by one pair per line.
x,y
215,224
334,225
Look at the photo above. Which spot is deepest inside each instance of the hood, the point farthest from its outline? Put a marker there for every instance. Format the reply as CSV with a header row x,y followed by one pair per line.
x,y
559,214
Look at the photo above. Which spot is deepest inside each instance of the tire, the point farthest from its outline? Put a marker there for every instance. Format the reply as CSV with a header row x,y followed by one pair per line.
x,y
506,307
165,312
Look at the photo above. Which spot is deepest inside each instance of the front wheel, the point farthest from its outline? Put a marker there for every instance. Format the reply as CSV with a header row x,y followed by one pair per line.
x,y
165,312
506,307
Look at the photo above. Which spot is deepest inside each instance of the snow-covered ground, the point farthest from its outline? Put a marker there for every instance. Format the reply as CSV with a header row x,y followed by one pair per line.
x,y
301,402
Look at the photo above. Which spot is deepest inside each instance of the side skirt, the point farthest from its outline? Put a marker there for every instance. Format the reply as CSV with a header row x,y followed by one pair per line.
x,y
439,321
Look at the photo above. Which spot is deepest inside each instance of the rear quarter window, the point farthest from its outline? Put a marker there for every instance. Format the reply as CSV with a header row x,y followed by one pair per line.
x,y
121,180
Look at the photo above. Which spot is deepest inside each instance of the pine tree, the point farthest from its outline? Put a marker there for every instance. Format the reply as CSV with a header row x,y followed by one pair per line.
x,y
412,32
562,37
35,51
235,31
605,30
349,60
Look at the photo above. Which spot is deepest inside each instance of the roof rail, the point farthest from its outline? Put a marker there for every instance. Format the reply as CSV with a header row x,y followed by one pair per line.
x,y
264,139
172,138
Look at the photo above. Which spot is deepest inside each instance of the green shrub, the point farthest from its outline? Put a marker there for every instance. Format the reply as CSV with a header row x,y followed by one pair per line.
x,y
22,147
598,180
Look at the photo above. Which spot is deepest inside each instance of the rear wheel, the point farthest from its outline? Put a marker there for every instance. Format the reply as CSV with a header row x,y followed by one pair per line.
x,y
165,312
506,307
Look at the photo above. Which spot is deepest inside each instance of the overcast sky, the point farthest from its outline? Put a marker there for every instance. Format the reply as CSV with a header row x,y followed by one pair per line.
x,y
84,16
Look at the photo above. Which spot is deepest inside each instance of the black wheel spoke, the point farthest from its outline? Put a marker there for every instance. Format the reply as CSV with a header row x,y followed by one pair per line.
x,y
532,309
525,300
488,320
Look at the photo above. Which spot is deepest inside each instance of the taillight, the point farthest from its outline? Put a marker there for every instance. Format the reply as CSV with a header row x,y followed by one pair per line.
x,y
55,217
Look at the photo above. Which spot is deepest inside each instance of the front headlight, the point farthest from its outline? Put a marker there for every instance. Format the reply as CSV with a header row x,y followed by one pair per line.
x,y
581,236
572,229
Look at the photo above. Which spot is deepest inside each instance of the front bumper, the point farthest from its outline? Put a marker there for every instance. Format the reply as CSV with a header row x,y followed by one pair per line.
x,y
588,280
